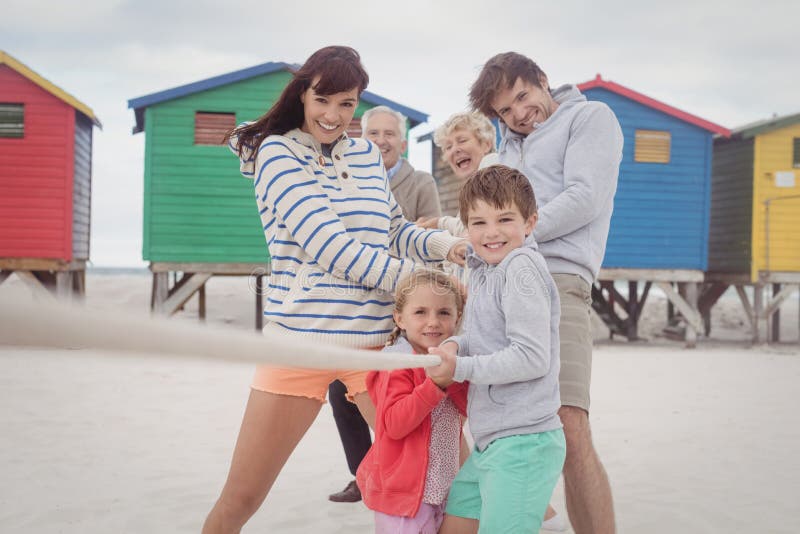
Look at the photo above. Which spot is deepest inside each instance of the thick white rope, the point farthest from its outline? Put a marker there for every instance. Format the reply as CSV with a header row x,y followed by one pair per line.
x,y
55,325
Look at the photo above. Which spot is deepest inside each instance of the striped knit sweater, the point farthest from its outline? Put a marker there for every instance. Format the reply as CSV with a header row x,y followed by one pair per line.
x,y
335,234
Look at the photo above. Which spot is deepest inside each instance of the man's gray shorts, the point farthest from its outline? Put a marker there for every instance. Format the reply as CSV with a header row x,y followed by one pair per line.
x,y
576,339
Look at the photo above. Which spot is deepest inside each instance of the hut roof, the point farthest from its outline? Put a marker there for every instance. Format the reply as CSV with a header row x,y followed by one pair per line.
x,y
766,125
50,87
599,82
139,104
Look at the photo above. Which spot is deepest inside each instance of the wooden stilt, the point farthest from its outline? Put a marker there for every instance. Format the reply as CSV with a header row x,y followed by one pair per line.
x,y
758,306
776,316
748,309
259,302
686,306
201,302
47,277
190,278
80,283
160,291
64,286
691,329
633,310
39,289
183,291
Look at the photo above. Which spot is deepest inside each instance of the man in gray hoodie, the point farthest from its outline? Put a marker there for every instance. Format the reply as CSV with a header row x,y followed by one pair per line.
x,y
570,149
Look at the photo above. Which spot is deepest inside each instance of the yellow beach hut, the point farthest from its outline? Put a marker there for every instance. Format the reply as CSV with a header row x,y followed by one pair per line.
x,y
754,235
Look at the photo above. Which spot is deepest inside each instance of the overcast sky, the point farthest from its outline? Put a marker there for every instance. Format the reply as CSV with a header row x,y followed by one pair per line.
x,y
727,63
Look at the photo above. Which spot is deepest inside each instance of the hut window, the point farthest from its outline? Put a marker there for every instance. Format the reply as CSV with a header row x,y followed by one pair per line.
x,y
210,128
652,146
12,120
796,157
354,130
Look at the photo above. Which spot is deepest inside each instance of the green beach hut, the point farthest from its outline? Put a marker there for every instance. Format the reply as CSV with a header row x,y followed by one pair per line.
x,y
200,219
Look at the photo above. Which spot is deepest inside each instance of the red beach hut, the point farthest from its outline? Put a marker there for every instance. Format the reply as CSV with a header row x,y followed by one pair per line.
x,y
45,180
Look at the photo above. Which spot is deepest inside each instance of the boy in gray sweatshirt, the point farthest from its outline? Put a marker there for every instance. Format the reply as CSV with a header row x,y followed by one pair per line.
x,y
509,352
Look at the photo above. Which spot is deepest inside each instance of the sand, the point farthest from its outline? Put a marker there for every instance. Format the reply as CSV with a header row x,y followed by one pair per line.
x,y
694,441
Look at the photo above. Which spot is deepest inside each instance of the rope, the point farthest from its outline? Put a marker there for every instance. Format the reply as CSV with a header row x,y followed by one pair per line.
x,y
56,325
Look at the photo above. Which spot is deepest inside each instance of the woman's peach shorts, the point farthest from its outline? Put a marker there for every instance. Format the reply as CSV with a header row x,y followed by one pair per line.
x,y
311,383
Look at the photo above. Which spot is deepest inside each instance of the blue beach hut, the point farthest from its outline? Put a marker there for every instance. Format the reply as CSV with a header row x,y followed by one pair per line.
x,y
659,229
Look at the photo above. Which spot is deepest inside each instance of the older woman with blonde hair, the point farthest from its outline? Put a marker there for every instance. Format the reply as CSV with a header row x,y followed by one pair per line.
x,y
467,141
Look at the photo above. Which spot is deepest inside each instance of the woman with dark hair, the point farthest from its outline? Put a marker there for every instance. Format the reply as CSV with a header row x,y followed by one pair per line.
x,y
335,236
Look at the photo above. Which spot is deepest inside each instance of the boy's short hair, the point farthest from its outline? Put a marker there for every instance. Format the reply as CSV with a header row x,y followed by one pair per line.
x,y
500,73
498,186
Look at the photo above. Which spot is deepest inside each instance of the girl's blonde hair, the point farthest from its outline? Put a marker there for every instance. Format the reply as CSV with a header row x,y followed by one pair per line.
x,y
442,284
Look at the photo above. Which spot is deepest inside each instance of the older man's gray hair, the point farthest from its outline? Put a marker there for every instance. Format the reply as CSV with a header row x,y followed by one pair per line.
x,y
401,119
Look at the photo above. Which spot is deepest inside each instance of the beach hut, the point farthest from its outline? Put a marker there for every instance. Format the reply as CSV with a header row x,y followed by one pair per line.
x,y
45,181
754,237
659,228
199,215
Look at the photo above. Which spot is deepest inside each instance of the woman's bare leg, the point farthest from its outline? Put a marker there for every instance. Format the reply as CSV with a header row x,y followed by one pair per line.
x,y
271,428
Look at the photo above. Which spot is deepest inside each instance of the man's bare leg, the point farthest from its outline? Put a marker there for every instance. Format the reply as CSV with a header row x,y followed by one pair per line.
x,y
588,493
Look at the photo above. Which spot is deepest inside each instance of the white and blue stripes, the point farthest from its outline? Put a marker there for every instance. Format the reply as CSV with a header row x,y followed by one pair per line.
x,y
335,234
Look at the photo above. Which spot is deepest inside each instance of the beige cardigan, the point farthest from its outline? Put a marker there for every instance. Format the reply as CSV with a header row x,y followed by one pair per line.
x,y
416,192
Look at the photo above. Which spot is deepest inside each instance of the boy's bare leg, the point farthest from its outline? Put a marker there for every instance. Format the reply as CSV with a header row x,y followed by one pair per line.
x,y
588,493
459,525
271,428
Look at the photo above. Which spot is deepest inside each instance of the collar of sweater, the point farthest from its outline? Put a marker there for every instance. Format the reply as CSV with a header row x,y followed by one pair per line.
x,y
311,142
474,261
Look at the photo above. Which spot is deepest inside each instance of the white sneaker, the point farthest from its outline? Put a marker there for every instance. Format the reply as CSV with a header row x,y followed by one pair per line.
x,y
555,523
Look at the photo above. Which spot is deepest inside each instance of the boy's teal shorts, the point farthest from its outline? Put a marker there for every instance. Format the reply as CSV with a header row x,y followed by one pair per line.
x,y
507,486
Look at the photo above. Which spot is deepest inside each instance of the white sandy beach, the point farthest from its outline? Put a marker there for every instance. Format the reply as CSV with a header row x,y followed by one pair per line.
x,y
694,441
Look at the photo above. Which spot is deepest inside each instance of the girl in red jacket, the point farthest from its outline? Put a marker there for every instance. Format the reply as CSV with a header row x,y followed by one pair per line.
x,y
406,474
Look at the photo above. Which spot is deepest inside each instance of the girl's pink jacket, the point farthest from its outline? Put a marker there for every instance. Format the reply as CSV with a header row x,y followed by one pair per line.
x,y
392,475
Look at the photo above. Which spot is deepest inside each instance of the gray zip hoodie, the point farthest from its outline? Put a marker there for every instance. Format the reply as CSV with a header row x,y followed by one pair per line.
x,y
509,348
572,159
